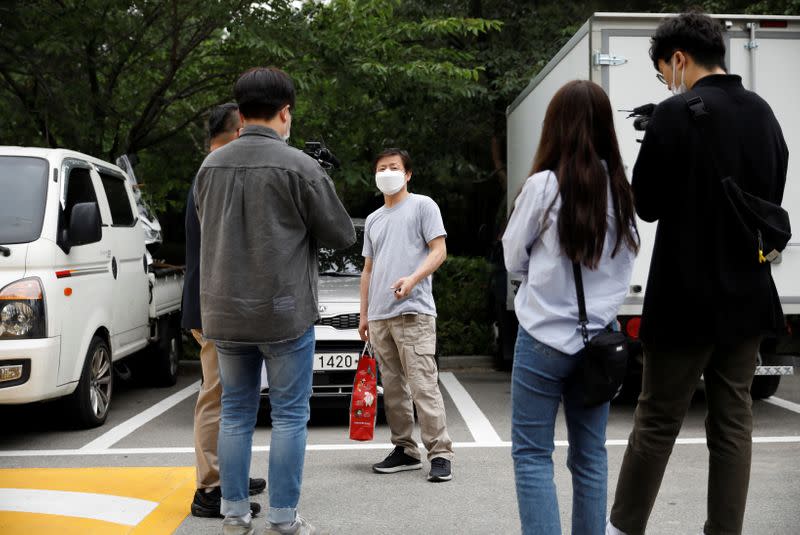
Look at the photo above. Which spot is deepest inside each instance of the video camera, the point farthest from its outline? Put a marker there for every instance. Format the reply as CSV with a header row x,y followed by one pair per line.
x,y
641,116
321,153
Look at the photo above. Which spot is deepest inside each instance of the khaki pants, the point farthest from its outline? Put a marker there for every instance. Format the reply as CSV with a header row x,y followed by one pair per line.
x,y
668,383
206,415
405,348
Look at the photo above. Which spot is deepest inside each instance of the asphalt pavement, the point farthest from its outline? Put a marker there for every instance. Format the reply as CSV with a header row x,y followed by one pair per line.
x,y
135,474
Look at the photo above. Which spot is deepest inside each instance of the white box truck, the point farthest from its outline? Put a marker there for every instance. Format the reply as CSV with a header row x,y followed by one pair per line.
x,y
612,49
77,293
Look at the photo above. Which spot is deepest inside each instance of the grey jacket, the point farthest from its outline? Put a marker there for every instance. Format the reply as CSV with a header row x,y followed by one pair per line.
x,y
264,209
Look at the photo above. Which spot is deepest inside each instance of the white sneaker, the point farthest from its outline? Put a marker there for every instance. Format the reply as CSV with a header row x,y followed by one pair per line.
x,y
301,526
238,525
611,530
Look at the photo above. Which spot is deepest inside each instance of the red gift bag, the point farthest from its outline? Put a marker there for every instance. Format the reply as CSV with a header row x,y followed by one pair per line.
x,y
364,401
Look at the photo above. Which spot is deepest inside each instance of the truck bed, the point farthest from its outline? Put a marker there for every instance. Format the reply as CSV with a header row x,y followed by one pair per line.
x,y
166,289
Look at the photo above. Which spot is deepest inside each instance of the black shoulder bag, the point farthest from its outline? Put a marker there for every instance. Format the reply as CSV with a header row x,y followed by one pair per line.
x,y
605,356
760,225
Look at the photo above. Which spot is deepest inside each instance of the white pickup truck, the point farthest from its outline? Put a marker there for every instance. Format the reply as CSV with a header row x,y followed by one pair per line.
x,y
77,293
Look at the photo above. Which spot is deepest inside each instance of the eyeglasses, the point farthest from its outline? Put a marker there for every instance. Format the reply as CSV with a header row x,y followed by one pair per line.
x,y
661,78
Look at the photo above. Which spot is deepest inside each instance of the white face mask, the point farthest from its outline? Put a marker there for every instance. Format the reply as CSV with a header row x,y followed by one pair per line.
x,y
681,89
390,182
288,129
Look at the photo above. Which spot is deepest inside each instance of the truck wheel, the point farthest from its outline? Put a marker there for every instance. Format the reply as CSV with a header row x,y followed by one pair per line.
x,y
166,354
90,402
764,386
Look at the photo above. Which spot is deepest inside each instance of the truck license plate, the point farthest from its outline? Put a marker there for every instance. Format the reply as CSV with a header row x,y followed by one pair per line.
x,y
335,361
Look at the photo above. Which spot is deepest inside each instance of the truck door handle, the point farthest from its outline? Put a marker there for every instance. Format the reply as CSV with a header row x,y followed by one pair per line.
x,y
114,267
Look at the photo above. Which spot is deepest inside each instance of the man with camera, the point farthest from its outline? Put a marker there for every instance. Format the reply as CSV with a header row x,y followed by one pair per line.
x,y
710,298
264,208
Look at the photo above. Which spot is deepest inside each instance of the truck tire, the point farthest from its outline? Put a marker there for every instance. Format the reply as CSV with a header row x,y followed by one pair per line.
x,y
764,386
165,355
88,406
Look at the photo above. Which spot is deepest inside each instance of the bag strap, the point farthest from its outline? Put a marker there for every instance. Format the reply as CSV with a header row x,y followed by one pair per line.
x,y
700,115
696,105
583,319
368,349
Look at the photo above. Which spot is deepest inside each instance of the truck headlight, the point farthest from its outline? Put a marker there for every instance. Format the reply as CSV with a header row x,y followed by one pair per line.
x,y
22,312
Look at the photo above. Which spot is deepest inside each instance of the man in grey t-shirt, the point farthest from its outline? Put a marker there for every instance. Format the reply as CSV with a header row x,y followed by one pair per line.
x,y
404,243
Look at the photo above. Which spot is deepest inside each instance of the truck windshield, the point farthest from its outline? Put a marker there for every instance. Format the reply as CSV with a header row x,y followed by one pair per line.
x,y
23,193
344,262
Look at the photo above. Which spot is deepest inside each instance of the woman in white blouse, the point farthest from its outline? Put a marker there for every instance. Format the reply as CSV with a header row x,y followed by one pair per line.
x,y
576,207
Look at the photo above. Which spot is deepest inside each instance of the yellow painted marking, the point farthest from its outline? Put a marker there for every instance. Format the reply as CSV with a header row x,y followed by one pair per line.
x,y
12,523
171,487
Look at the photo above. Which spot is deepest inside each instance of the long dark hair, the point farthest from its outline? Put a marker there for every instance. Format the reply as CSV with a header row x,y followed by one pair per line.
x,y
578,132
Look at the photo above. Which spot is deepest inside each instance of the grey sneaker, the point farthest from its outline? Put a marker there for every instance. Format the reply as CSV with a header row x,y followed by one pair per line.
x,y
237,525
300,527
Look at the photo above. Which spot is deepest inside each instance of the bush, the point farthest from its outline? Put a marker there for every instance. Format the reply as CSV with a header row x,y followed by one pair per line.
x,y
463,304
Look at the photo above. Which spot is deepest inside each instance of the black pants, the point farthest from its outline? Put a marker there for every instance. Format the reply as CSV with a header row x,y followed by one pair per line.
x,y
669,381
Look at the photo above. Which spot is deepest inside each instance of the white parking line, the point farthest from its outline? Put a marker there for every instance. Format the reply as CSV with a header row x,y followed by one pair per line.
x,y
349,447
477,422
116,509
115,434
788,405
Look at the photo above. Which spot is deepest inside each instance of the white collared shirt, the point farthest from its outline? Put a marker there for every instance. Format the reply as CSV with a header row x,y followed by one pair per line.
x,y
546,303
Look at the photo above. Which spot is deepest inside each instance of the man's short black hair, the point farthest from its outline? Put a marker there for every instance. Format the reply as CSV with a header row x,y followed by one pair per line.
x,y
223,119
694,33
404,156
262,92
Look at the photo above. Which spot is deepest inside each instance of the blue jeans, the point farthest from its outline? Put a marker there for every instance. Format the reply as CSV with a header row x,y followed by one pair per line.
x,y
290,366
539,381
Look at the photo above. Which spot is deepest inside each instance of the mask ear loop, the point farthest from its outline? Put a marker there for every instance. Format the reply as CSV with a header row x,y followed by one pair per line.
x,y
683,77
675,87
673,77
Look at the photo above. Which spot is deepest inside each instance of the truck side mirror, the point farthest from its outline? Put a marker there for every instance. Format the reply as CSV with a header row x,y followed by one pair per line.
x,y
84,225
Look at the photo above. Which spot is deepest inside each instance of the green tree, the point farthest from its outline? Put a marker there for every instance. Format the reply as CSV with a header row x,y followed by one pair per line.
x,y
109,78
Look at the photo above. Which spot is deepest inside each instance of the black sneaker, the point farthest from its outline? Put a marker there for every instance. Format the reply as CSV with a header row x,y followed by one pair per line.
x,y
207,504
440,470
257,485
397,461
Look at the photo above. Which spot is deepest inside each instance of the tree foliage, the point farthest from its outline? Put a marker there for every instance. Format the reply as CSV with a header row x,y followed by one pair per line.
x,y
108,77
114,77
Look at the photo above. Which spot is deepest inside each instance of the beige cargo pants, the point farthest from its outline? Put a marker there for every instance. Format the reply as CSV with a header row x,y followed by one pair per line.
x,y
206,415
405,348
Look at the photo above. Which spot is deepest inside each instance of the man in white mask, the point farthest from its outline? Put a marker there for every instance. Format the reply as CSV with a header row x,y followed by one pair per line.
x,y
404,243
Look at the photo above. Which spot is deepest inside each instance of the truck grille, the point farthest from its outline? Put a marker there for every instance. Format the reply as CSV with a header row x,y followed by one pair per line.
x,y
342,321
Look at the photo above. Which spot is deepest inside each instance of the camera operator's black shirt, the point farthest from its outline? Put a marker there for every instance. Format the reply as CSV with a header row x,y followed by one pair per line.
x,y
696,291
